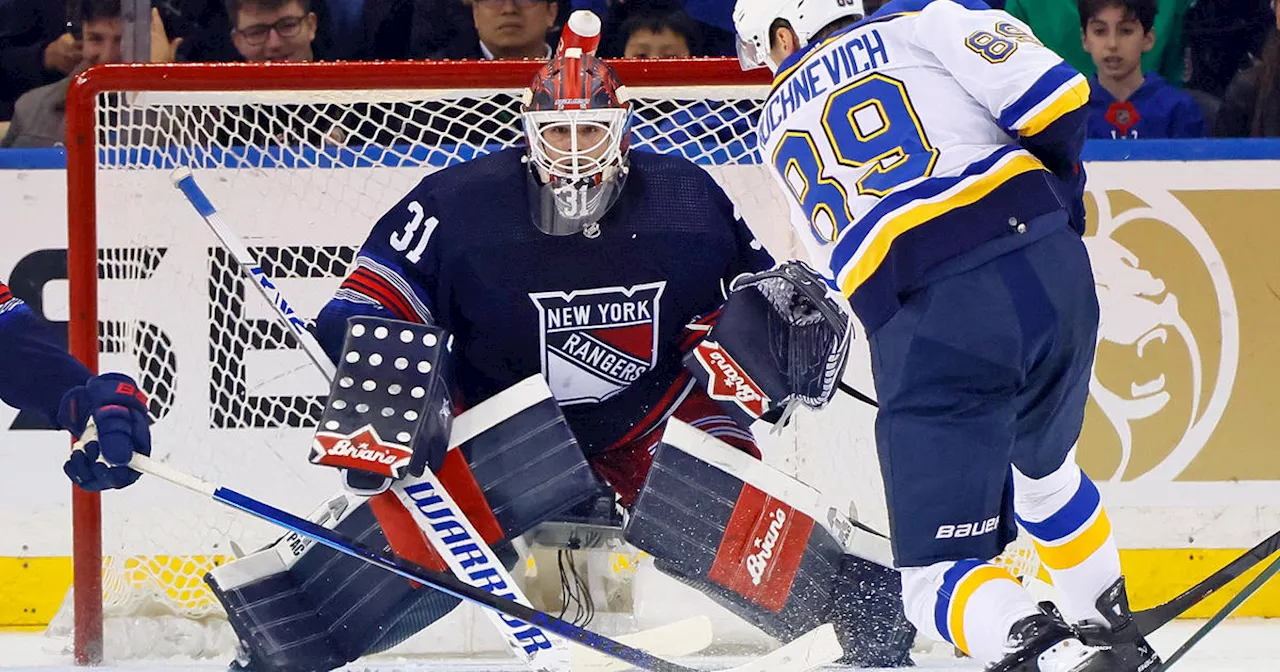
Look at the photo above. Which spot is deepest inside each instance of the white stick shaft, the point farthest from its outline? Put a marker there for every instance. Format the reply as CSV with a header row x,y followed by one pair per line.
x,y
186,182
147,465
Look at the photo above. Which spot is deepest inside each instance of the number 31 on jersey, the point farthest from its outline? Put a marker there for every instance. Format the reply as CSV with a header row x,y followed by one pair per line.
x,y
870,125
400,241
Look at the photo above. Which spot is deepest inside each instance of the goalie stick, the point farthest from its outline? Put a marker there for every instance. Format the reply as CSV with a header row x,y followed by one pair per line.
x,y
532,648
810,651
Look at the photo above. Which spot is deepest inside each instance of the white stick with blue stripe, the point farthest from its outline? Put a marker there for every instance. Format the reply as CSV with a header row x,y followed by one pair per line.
x,y
185,181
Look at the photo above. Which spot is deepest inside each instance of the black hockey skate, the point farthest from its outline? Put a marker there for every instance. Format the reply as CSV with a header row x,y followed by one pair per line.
x,y
1124,648
1044,642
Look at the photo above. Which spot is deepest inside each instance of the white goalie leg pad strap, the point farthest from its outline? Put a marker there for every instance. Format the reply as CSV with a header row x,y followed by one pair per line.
x,y
281,555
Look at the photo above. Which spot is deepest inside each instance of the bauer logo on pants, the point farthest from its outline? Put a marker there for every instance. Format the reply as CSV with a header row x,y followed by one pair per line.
x,y
596,342
362,450
761,550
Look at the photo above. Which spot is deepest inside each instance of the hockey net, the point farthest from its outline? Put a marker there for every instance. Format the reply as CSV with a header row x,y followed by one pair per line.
x,y
302,159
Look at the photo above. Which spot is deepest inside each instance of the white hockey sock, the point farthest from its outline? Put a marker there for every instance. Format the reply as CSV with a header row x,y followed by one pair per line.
x,y
1063,513
971,604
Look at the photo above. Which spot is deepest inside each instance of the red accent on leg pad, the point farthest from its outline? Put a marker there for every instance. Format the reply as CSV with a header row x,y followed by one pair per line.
x,y
761,550
402,532
456,477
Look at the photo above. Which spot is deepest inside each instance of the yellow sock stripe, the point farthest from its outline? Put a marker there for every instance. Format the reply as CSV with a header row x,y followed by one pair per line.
x,y
1078,549
960,599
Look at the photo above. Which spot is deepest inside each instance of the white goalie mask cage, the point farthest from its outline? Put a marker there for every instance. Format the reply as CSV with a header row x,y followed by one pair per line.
x,y
579,166
577,122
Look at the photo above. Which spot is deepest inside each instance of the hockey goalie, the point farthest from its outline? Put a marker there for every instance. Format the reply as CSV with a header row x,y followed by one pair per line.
x,y
598,270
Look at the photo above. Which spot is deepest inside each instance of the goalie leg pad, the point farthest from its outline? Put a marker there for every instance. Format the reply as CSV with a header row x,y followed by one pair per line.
x,y
298,606
524,457
766,561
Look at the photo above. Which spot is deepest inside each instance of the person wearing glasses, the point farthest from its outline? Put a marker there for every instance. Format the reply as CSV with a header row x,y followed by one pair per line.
x,y
273,30
40,115
506,29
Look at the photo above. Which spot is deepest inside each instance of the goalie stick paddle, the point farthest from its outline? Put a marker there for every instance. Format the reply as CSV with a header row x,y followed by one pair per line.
x,y
810,651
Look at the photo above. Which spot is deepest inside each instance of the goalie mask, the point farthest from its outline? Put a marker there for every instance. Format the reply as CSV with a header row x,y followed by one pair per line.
x,y
577,120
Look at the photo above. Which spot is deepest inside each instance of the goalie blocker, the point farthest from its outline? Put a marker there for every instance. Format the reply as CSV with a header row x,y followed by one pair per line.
x,y
763,559
296,606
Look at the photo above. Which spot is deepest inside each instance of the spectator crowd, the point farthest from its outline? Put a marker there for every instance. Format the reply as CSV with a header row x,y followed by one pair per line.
x,y
1157,68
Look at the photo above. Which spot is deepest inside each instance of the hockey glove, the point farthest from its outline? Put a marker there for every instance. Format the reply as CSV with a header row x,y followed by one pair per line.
x,y
390,408
780,341
111,407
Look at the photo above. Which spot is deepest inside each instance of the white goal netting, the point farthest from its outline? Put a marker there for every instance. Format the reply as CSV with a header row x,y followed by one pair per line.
x,y
302,176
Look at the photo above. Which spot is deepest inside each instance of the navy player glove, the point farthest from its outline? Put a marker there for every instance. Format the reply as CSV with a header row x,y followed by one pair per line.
x,y
111,413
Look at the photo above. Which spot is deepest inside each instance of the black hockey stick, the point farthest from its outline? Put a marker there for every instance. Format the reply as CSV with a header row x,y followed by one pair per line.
x,y
851,391
1235,602
1150,620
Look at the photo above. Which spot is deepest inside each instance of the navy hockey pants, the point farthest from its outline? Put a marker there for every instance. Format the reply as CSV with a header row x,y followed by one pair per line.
x,y
987,364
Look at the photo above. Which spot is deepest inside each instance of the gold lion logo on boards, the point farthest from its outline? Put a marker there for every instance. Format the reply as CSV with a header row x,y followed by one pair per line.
x,y
1168,337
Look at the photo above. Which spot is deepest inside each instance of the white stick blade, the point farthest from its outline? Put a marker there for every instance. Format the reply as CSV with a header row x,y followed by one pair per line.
x,y
682,638
810,651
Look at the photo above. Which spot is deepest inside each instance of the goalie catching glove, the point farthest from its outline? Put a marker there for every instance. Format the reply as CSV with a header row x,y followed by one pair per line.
x,y
780,340
390,409
110,413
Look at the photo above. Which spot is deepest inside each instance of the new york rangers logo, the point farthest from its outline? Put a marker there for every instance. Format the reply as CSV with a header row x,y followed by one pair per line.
x,y
596,342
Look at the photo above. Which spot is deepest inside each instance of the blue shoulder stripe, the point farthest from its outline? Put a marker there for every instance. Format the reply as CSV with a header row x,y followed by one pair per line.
x,y
1041,90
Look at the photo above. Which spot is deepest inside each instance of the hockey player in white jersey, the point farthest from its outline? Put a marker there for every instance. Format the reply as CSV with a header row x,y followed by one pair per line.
x,y
930,153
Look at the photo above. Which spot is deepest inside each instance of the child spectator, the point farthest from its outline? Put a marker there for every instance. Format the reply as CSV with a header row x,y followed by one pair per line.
x,y
1054,24
1251,106
671,34
1125,102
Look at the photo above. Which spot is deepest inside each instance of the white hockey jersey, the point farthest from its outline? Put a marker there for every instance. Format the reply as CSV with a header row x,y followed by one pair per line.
x,y
897,141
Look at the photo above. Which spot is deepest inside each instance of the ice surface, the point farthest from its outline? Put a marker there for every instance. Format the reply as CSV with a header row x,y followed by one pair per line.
x,y
1243,645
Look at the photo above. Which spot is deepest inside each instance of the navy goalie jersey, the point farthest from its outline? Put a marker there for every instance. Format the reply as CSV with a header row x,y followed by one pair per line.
x,y
605,320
